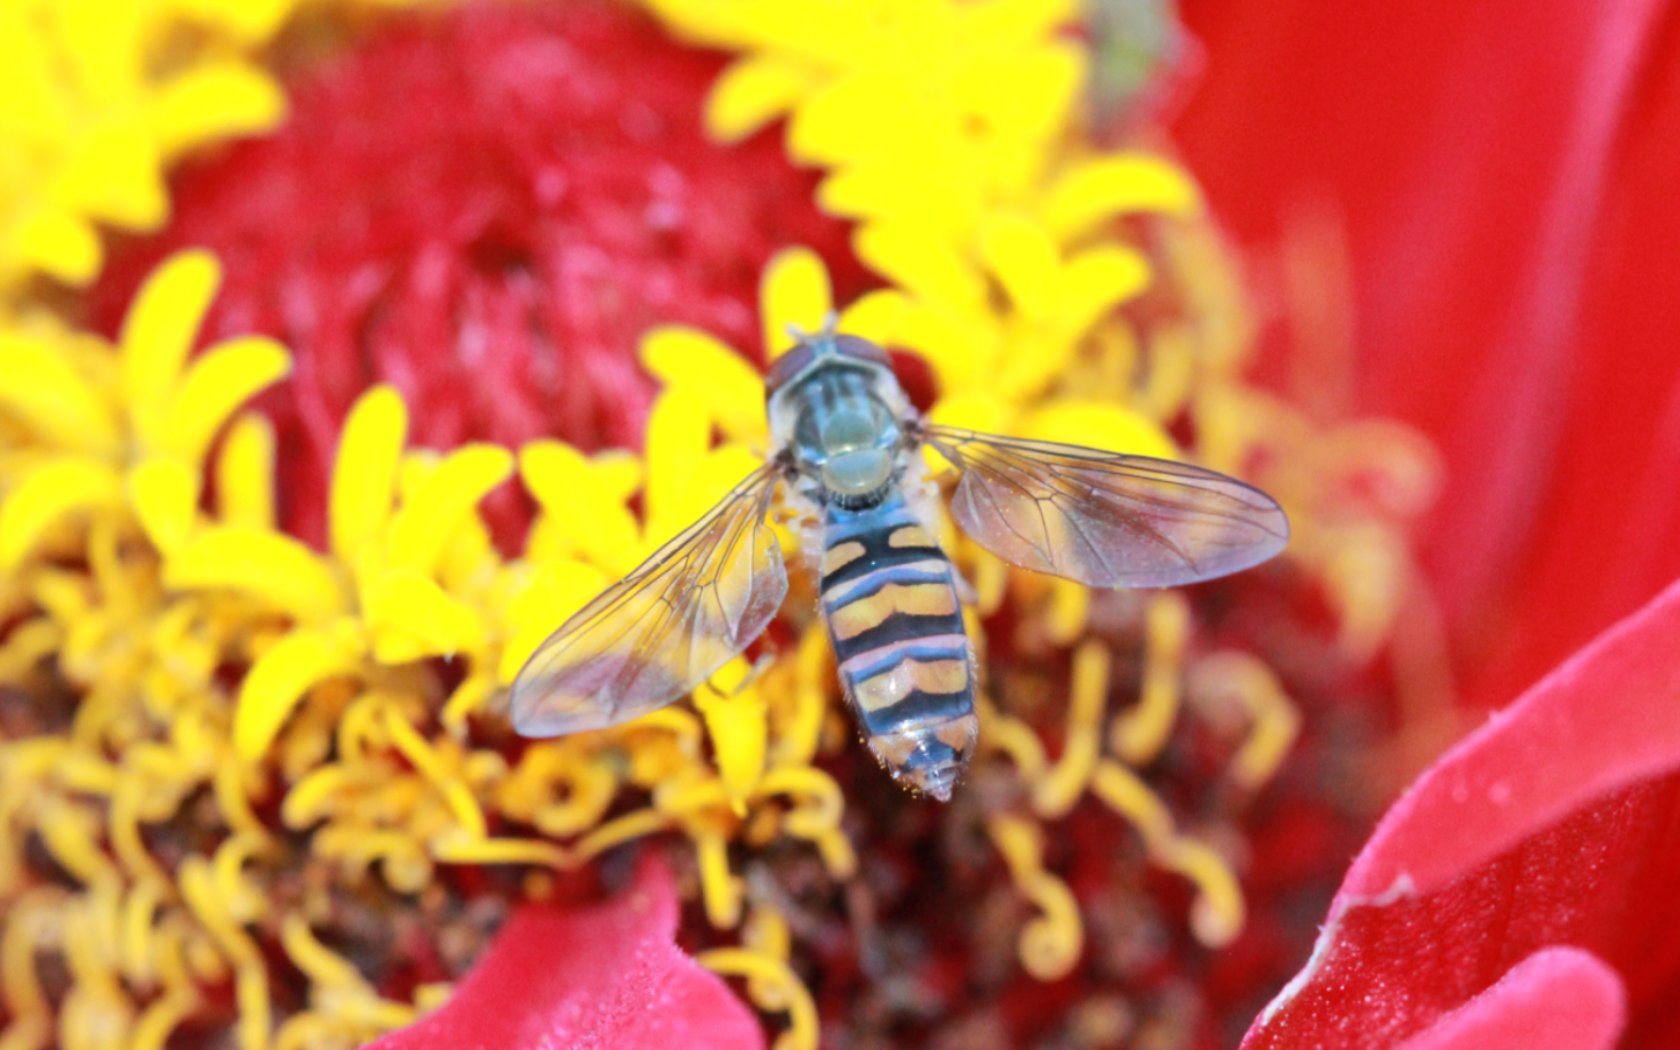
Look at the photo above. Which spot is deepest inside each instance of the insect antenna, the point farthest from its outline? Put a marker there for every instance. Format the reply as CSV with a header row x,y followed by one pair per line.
x,y
830,325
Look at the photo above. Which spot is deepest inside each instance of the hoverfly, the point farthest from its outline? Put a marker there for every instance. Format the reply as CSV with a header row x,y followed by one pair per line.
x,y
847,451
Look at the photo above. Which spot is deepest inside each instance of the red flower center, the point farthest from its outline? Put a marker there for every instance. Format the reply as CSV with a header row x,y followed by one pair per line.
x,y
487,210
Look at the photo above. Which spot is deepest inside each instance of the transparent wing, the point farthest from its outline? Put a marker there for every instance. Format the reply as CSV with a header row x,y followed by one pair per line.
x,y
1104,519
664,629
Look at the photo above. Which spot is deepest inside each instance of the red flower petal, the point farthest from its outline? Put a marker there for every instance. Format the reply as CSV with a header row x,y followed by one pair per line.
x,y
606,976
1552,825
1556,999
1503,175
1611,529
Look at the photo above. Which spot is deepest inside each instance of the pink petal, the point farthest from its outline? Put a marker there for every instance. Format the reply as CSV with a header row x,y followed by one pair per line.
x,y
1554,824
607,976
1556,999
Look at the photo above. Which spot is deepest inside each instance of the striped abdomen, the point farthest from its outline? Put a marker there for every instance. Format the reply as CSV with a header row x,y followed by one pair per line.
x,y
891,605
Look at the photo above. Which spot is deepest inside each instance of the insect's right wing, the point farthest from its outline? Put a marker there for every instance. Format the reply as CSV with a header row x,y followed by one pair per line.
x,y
1106,519
667,627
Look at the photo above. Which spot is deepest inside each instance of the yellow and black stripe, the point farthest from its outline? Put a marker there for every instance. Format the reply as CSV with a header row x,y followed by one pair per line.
x,y
892,610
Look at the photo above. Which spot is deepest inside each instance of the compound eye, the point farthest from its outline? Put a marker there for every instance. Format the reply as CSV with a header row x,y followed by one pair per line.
x,y
860,348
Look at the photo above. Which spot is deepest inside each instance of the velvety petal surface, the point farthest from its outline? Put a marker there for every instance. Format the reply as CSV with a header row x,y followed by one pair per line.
x,y
1555,824
1473,202
603,976
1556,999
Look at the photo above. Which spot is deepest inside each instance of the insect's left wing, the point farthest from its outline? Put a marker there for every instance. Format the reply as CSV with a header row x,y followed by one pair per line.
x,y
661,631
1105,519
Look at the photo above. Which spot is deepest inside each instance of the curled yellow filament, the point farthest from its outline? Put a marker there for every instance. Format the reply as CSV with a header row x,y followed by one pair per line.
x,y
1050,943
1013,737
1243,682
1056,791
1139,733
789,992
1217,915
200,890
426,759
721,890
503,851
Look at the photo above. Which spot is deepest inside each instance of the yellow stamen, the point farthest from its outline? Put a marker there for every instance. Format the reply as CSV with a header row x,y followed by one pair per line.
x,y
619,830
790,994
1051,942
198,888
1012,737
503,851
1241,681
766,932
720,889
161,1019
415,748
1217,915
68,832
1138,733
1058,790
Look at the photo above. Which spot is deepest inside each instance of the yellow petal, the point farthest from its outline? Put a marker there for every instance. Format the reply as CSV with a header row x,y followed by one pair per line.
x,y
556,590
845,120
738,726
696,362
114,174
245,473
212,101
752,92
794,290
876,316
699,490
963,349
920,261
365,474
678,434
281,677
410,617
1096,281
161,326
1024,259
99,46
1101,425
931,188
216,384
1120,184
59,242
1011,24
45,497
431,514
583,505
267,565
981,410
1026,96
39,386
164,492
250,21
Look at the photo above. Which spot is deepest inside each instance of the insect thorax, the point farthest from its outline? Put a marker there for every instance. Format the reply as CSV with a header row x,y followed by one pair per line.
x,y
839,421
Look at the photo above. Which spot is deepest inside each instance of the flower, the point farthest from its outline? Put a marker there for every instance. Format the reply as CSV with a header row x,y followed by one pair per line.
x,y
133,425
499,297
304,813
99,103
604,976
1520,336
1532,855
1491,207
